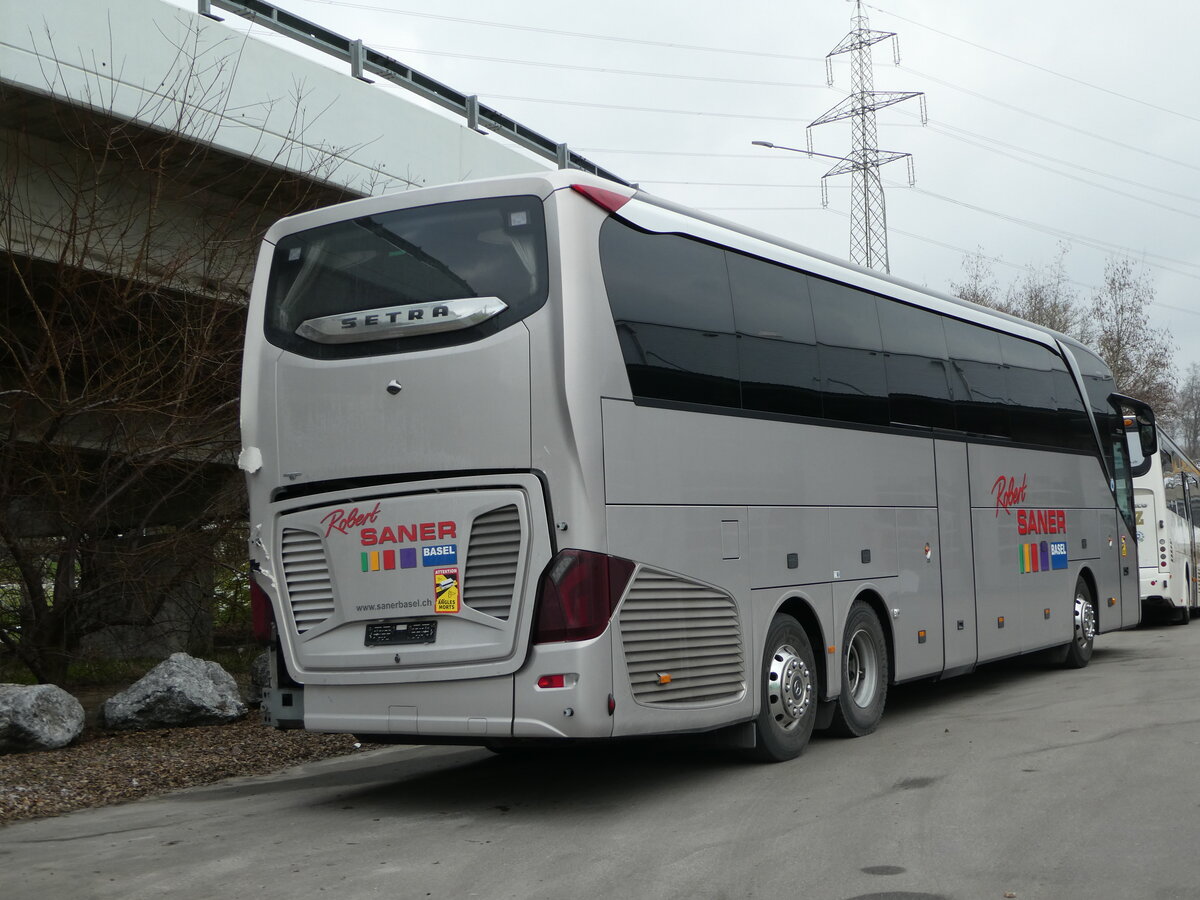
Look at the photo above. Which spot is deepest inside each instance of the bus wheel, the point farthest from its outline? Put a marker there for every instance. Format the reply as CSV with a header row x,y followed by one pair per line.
x,y
864,674
789,692
1079,651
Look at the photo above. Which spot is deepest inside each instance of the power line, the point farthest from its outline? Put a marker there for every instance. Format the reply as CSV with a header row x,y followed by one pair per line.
x,y
605,70
1048,71
1053,121
672,45
1094,243
955,133
950,131
656,110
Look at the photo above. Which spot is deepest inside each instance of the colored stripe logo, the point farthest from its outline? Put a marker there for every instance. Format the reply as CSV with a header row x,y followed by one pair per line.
x,y
1042,556
388,560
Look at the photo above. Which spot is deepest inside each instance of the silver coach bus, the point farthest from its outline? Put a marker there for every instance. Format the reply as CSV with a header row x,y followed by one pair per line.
x,y
545,457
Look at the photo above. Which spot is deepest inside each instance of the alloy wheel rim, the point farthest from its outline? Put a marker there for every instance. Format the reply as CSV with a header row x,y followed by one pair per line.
x,y
789,687
1085,620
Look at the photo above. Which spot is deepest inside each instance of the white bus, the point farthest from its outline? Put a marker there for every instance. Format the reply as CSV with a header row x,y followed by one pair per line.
x,y
1166,497
546,457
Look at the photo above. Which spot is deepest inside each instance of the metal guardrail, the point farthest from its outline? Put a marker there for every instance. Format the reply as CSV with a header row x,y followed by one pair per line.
x,y
363,60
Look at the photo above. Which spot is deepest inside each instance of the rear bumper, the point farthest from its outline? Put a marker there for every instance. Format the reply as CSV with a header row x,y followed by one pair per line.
x,y
476,710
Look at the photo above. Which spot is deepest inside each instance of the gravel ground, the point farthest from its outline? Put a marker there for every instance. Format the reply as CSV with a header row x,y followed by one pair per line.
x,y
114,767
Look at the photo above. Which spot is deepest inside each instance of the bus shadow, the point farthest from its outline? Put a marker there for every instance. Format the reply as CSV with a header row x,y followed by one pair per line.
x,y
993,678
448,780
548,782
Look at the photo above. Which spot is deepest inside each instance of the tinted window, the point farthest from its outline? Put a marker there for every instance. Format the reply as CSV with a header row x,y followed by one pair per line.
x,y
977,379
1076,428
853,383
1034,418
449,251
777,348
1047,407
670,300
916,361
1098,383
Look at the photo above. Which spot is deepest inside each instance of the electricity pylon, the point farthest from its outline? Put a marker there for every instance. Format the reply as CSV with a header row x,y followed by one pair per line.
x,y
868,214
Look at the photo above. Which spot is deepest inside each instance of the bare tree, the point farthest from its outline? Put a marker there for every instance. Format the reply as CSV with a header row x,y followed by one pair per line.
x,y
127,253
979,282
1044,295
1141,357
1116,322
1187,412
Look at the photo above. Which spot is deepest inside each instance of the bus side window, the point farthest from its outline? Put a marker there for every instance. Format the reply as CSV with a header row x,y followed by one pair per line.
x,y
777,344
978,379
916,363
853,382
670,300
1073,426
1031,392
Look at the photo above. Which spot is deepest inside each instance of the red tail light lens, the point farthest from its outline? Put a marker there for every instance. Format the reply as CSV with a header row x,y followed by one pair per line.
x,y
577,595
605,199
261,616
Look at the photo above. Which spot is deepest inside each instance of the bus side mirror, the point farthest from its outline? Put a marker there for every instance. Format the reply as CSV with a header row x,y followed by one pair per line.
x,y
1143,421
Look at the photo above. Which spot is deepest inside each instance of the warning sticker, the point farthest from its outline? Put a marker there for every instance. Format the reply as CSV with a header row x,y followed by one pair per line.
x,y
446,590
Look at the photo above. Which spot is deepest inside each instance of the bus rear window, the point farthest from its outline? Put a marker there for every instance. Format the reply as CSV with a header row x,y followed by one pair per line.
x,y
406,280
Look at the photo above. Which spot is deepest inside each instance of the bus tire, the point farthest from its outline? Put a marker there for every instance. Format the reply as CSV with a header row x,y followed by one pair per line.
x,y
1183,615
864,674
788,682
1079,651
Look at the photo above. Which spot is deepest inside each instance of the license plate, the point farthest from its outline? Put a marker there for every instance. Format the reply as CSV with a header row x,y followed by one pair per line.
x,y
400,633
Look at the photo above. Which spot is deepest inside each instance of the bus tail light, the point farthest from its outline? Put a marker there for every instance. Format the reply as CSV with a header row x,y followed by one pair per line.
x,y
577,594
261,615
603,198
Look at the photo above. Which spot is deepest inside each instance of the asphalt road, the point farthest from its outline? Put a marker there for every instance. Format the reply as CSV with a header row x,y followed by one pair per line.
x,y
1015,781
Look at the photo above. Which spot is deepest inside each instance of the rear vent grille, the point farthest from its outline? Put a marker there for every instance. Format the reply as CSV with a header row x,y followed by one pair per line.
x,y
687,631
493,555
306,573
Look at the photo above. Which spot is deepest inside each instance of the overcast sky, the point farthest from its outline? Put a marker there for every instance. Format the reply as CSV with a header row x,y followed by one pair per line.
x,y
1070,122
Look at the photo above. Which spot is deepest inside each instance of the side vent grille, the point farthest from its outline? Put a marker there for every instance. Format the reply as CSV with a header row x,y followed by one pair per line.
x,y
687,631
493,555
306,574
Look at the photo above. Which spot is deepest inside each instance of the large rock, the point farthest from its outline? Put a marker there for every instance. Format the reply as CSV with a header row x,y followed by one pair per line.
x,y
37,717
180,690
